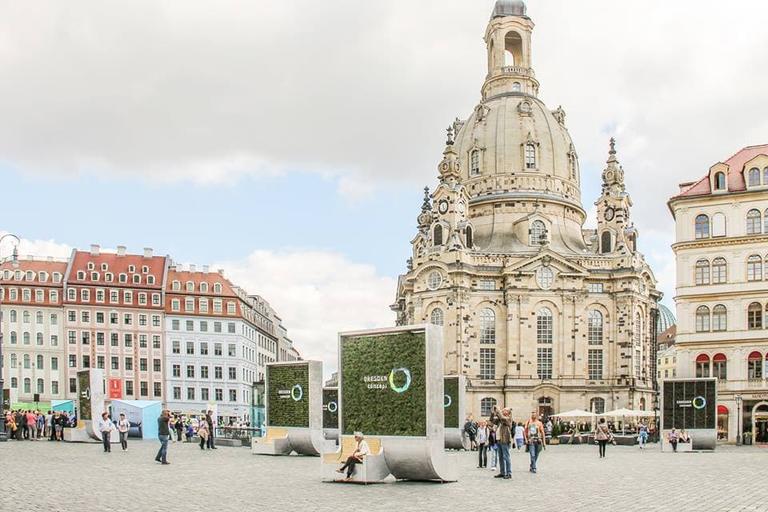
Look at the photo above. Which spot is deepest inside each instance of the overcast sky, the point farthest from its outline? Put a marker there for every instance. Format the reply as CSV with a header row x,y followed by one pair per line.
x,y
289,140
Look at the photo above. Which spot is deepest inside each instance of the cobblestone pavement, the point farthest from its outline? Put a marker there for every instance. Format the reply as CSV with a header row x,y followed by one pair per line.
x,y
80,477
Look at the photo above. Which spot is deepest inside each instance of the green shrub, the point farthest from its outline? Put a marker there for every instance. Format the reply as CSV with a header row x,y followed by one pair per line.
x,y
283,410
370,403
451,413
330,417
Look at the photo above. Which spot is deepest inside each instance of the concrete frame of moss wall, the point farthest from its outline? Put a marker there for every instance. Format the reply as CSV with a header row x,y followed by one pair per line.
x,y
454,436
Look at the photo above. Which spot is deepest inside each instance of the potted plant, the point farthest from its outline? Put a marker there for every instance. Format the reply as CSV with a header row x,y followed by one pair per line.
x,y
556,431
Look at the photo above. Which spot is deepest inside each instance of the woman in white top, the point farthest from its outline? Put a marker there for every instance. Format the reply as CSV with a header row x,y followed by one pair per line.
x,y
482,444
519,436
123,425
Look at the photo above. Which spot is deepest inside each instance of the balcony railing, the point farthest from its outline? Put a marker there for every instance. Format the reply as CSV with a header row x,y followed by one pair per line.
x,y
517,70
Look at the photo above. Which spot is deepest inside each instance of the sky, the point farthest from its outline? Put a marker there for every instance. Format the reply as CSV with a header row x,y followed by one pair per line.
x,y
288,142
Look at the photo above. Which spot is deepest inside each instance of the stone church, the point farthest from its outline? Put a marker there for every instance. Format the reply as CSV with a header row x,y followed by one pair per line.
x,y
538,312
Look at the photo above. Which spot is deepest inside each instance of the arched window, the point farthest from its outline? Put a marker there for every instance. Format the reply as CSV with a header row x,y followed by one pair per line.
x,y
753,177
765,219
26,317
595,328
176,286
718,224
720,181
719,271
544,326
720,366
39,339
755,366
436,317
203,287
702,365
597,405
26,362
190,286
39,317
474,162
754,222
530,156
14,360
27,385
765,176
516,87
14,338
638,333
605,242
486,406
754,268
27,338
537,235
39,362
702,272
217,288
14,382
487,326
437,235
719,318
755,316
702,319
13,316
642,403
702,226
513,49
40,386
468,234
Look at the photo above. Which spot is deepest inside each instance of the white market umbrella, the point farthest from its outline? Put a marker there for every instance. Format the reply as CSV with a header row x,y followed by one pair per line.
x,y
576,413
623,413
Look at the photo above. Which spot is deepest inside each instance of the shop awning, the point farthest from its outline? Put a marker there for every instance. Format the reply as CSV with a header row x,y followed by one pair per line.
x,y
721,409
702,358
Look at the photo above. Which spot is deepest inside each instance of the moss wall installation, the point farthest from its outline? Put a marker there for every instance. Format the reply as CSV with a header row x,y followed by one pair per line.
x,y
451,404
384,384
330,408
288,395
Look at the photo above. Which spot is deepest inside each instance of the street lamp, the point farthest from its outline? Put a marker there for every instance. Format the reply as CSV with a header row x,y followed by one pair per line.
x,y
738,419
15,263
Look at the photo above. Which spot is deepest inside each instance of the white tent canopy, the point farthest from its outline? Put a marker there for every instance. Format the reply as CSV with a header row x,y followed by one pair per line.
x,y
627,413
576,413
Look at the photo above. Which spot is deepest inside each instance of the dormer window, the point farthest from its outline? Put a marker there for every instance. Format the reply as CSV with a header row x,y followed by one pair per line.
x,y
109,277
720,181
150,279
530,155
204,287
80,275
145,269
474,162
123,278
104,267
136,279
131,268
94,276
91,266
190,286
753,177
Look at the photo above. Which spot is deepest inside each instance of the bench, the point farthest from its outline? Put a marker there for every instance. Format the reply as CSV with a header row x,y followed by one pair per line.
x,y
681,447
275,442
373,469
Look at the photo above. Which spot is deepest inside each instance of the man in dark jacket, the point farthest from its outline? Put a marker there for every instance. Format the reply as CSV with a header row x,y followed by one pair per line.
x,y
163,435
503,423
209,421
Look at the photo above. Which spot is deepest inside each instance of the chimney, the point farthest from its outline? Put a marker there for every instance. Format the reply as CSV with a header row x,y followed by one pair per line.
x,y
221,272
121,250
192,267
206,268
147,252
49,259
95,250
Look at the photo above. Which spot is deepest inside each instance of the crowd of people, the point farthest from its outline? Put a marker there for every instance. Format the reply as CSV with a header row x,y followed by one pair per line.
x,y
37,425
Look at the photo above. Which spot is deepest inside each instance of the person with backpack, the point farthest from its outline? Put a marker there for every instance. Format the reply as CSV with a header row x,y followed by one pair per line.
x,y
535,438
504,428
603,436
470,430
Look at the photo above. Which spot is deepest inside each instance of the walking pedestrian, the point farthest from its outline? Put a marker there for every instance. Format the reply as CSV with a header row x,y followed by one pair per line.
x,y
209,421
179,428
482,445
202,432
163,435
123,426
493,446
503,441
105,427
602,435
642,435
535,438
519,436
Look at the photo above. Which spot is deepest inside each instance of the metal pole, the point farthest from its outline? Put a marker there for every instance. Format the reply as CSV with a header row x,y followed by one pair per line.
x,y
15,262
738,420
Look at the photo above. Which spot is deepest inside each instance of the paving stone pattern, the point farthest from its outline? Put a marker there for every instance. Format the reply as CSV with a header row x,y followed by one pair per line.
x,y
80,477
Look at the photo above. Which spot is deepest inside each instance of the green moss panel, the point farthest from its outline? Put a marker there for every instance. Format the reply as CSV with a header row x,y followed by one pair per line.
x,y
288,396
451,403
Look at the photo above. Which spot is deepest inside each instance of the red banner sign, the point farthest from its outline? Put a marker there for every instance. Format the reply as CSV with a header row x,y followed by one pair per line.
x,y
115,389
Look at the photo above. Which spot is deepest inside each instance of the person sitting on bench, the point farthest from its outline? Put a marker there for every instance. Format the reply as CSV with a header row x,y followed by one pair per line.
x,y
361,451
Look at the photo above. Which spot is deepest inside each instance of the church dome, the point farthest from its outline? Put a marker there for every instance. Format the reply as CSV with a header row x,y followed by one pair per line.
x,y
665,320
508,8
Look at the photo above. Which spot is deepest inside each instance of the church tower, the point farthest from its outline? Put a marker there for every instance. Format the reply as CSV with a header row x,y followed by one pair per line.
x,y
615,232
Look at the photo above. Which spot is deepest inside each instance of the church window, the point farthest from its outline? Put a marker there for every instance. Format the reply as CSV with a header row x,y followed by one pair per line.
x,y
595,328
486,406
545,277
702,226
718,224
486,285
544,362
754,268
513,49
597,405
754,177
487,363
719,271
720,181
702,272
434,280
436,317
702,319
544,326
530,156
437,238
595,364
595,287
474,162
516,87
537,234
605,242
638,334
487,326
468,233
754,222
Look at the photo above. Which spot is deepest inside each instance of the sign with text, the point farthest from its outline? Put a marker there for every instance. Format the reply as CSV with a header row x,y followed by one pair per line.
x,y
115,389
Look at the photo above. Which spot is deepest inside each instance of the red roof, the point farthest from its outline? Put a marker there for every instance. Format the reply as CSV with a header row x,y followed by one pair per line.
x,y
35,266
182,277
117,264
735,174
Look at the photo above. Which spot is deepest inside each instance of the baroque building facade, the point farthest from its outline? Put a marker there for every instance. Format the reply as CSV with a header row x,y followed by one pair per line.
x,y
721,252
538,312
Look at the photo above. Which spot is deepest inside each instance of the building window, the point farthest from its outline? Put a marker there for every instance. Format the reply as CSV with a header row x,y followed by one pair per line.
x,y
218,394
545,278
702,366
530,156
544,326
176,393
437,238
753,177
537,235
719,318
436,317
486,406
595,328
190,393
486,285
719,271
702,272
487,326
434,280
754,268
755,316
754,222
720,181
702,319
487,363
595,364
605,242
755,366
720,367
474,162
702,226
597,405
468,236
544,362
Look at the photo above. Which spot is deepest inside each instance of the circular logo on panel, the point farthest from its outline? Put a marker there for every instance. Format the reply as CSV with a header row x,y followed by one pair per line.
x,y
406,374
699,402
297,392
447,401
332,407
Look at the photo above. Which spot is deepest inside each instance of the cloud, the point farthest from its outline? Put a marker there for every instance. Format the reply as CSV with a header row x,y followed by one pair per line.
x,y
317,294
34,248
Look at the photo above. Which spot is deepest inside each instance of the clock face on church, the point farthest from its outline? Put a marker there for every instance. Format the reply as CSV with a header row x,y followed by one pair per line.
x,y
609,214
443,206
